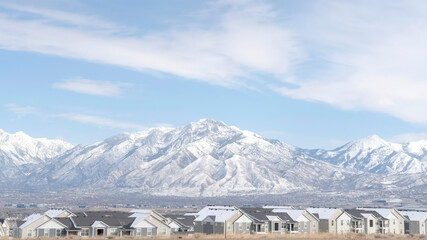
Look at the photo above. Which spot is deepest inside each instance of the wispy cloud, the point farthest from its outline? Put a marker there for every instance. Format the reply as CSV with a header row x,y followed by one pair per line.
x,y
373,57
21,110
243,41
100,121
75,117
94,87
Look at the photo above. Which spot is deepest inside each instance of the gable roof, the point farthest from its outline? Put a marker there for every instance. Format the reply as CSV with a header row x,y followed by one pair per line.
x,y
359,213
30,219
261,215
183,220
413,215
323,213
67,221
220,213
55,212
86,219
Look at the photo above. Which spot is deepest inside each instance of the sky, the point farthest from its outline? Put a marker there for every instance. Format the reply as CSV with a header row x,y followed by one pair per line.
x,y
314,74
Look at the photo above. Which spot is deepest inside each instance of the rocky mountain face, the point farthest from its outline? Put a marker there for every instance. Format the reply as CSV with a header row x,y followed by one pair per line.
x,y
209,158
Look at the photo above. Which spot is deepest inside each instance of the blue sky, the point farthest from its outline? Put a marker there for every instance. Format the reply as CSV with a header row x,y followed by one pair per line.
x,y
310,73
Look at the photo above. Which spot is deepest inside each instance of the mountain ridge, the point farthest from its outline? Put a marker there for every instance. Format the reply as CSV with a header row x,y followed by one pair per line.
x,y
210,158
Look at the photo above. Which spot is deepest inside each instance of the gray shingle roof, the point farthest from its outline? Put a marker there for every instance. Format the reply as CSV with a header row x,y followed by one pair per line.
x,y
86,219
184,220
259,215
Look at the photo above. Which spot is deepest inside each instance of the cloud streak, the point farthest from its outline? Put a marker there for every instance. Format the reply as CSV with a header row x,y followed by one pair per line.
x,y
75,117
92,87
243,42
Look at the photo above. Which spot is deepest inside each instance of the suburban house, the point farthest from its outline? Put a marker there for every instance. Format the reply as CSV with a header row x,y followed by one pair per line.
x,y
148,223
416,221
327,218
306,222
57,223
216,219
181,223
264,220
395,219
362,221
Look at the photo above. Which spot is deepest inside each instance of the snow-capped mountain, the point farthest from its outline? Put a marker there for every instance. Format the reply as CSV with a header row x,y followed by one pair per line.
x,y
21,154
374,154
209,158
205,158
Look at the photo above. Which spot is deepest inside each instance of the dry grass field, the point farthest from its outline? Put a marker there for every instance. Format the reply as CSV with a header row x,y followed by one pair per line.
x,y
261,237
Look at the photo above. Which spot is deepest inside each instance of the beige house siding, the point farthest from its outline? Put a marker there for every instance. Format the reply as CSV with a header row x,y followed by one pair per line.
x,y
24,232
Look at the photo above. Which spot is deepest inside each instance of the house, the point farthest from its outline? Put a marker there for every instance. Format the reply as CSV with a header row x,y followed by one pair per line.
x,y
148,223
214,219
327,218
264,220
396,220
306,222
361,221
181,223
415,221
56,223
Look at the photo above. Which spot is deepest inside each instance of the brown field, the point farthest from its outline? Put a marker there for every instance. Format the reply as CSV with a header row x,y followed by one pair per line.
x,y
261,237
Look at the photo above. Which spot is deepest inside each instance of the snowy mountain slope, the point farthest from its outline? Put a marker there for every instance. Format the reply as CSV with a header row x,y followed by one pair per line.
x,y
21,154
209,158
374,154
205,158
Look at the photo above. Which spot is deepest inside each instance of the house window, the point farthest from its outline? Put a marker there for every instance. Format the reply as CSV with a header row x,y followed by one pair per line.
x,y
58,232
305,224
29,232
348,222
342,222
314,224
332,222
149,232
228,226
114,231
84,232
248,226
394,221
163,231
283,225
46,232
138,232
240,226
371,223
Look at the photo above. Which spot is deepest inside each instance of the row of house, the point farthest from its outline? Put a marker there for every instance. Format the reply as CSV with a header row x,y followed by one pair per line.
x,y
224,220
286,220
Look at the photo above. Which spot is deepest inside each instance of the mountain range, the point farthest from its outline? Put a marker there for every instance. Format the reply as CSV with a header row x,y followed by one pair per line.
x,y
209,158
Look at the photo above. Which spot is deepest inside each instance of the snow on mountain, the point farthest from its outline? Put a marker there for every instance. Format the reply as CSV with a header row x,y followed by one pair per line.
x,y
20,154
374,154
205,158
209,158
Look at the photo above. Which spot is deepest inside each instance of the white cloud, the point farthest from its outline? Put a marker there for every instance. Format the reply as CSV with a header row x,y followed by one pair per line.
x,y
100,121
243,41
75,117
21,110
94,87
372,56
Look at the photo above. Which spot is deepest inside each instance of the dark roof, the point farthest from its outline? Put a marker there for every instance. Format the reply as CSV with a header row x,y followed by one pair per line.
x,y
19,223
259,215
1,220
184,220
85,219
357,213
67,222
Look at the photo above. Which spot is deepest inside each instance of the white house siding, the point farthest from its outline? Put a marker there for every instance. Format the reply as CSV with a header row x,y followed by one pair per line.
x,y
343,224
371,225
396,223
24,232
242,225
